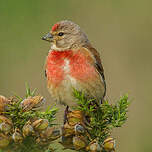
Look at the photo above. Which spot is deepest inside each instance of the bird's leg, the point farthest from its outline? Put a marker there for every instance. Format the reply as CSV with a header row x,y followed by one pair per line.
x,y
101,101
65,114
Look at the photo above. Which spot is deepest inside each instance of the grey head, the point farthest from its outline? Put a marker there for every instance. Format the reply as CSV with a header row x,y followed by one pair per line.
x,y
66,35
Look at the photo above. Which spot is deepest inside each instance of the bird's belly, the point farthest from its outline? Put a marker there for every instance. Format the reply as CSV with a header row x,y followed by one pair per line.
x,y
64,92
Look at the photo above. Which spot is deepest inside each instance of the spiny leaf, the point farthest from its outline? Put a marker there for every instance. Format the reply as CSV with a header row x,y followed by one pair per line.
x,y
29,93
104,117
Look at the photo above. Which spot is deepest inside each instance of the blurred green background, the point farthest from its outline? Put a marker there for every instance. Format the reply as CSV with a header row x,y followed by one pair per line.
x,y
120,29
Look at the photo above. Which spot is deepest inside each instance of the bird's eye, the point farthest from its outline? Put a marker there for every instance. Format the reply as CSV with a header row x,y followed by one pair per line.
x,y
60,34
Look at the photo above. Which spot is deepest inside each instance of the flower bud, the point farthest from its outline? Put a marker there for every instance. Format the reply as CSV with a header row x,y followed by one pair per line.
x,y
32,102
79,129
17,136
5,119
50,133
5,127
27,129
4,141
75,117
68,130
79,142
3,103
40,124
94,146
109,144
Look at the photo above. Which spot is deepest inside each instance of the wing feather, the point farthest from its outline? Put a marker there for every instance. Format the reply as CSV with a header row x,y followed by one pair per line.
x,y
97,63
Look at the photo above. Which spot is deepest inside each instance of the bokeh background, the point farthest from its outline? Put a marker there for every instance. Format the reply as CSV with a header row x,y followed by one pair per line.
x,y
120,29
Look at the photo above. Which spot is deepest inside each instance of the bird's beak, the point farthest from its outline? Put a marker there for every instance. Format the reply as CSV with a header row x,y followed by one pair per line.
x,y
48,37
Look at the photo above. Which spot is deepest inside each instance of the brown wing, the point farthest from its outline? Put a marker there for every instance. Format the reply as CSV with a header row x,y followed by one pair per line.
x,y
98,64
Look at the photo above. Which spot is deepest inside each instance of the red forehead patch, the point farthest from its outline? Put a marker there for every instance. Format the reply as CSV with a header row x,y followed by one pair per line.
x,y
55,26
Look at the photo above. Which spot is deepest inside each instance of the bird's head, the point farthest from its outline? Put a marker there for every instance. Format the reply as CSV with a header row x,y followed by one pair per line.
x,y
66,35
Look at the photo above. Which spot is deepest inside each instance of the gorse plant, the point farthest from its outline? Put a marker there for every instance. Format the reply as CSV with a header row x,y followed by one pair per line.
x,y
33,130
102,118
29,128
19,118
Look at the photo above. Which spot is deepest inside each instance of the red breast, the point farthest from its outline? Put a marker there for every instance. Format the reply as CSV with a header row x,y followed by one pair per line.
x,y
78,64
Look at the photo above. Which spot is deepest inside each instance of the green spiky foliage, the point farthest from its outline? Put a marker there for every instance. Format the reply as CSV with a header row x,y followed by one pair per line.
x,y
19,118
102,118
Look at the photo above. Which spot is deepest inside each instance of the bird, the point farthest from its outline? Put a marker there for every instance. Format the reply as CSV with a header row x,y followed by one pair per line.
x,y
72,62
